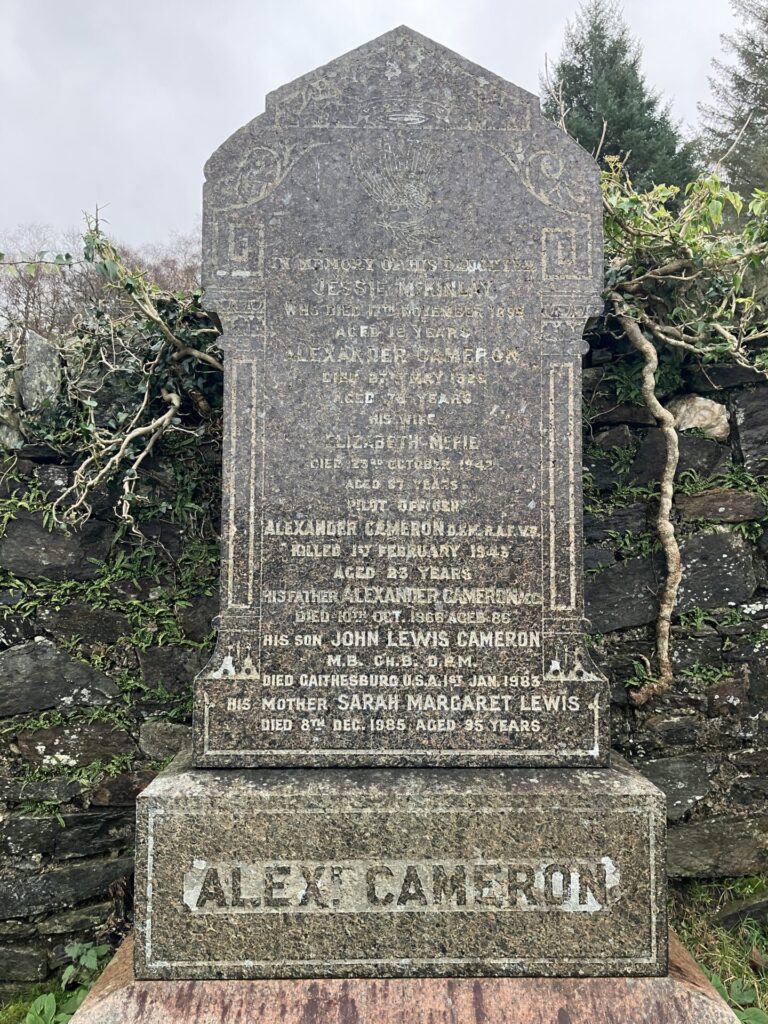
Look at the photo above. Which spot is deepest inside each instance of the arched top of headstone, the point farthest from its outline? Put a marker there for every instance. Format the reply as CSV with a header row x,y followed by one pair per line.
x,y
404,79
403,145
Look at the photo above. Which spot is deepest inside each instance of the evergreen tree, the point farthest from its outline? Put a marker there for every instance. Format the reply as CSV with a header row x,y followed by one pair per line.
x,y
739,98
598,84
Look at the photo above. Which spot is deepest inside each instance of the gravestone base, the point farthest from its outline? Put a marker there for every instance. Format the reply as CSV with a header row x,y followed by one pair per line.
x,y
400,873
684,997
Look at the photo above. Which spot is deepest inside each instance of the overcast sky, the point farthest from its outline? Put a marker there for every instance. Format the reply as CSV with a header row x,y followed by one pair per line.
x,y
120,102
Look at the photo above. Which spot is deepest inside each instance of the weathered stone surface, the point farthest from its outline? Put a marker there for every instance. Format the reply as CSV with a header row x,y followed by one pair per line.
x,y
121,790
91,625
14,628
76,744
718,847
715,376
399,872
596,558
685,780
692,412
400,582
36,676
160,739
23,963
751,418
40,375
28,549
24,893
14,790
696,454
717,572
684,997
173,668
197,619
602,407
721,505
630,519
80,919
83,832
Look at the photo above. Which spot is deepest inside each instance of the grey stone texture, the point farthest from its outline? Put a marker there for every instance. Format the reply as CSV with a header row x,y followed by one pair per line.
x,y
36,676
751,418
29,549
403,255
718,572
400,872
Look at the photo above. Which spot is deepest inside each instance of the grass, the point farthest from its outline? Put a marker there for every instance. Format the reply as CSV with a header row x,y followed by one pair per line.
x,y
15,1011
736,958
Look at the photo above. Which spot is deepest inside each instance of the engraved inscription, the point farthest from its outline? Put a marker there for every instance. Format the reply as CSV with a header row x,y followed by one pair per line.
x,y
393,886
402,289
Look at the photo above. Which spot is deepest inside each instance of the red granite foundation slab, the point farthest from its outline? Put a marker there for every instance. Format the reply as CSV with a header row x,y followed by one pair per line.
x,y
684,997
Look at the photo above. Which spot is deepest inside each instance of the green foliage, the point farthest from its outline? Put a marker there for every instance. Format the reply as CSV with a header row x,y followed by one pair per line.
x,y
697,619
731,957
621,496
86,961
641,674
597,82
633,545
736,120
706,674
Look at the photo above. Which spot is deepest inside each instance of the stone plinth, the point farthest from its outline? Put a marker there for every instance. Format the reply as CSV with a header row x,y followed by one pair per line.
x,y
398,873
685,997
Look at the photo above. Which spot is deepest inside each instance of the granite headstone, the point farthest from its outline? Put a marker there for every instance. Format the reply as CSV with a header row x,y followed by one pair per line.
x,y
403,254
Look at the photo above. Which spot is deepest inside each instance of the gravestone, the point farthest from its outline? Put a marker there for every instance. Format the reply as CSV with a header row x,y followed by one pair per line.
x,y
403,255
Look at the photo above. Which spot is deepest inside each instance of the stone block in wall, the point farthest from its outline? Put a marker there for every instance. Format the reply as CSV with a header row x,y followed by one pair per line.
x,y
75,745
14,790
91,625
723,505
717,847
662,733
717,376
596,558
23,963
24,893
685,780
197,619
717,572
172,667
80,919
29,550
692,412
700,455
82,833
750,410
14,628
603,408
160,738
120,790
36,676
728,696
630,519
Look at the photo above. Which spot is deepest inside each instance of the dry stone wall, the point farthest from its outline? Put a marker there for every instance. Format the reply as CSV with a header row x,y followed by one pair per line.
x,y
101,638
